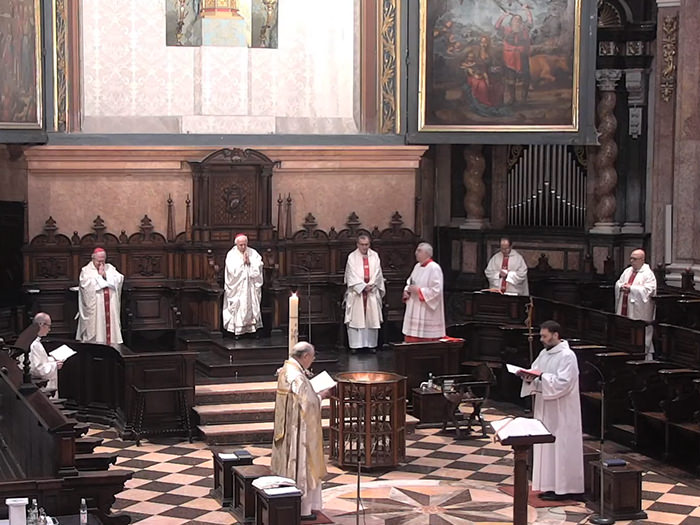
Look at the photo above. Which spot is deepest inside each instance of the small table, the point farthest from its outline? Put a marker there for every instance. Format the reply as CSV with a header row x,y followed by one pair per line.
x,y
140,404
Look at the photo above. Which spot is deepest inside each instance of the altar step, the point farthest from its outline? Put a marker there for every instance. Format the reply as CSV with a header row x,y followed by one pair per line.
x,y
243,413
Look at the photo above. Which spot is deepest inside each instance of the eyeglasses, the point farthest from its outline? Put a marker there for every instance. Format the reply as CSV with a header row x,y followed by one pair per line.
x,y
46,324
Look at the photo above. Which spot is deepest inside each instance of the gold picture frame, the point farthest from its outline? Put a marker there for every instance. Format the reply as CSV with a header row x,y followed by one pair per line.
x,y
21,103
499,66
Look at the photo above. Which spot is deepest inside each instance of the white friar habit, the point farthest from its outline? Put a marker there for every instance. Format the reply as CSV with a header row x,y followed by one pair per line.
x,y
99,305
557,466
242,292
515,281
640,304
42,365
297,447
363,310
425,312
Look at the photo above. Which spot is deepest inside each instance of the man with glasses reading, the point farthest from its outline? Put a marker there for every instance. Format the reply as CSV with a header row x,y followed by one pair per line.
x,y
634,292
42,365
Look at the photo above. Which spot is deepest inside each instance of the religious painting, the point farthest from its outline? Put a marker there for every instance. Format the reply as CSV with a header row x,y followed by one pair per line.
x,y
20,63
228,23
499,65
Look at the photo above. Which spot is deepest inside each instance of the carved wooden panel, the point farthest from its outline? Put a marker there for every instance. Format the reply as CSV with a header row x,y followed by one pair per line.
x,y
146,265
233,198
51,267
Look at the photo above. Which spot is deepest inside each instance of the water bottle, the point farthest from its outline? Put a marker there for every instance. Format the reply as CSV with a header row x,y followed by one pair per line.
x,y
430,380
33,513
83,512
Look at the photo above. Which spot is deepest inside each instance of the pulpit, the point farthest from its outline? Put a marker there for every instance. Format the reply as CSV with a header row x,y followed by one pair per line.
x,y
368,420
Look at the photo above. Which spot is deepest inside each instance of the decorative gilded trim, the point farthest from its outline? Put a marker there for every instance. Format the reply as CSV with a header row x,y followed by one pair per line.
x,y
389,66
669,46
60,64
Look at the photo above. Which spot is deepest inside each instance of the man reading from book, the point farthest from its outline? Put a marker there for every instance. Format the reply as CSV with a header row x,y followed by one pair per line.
x,y
553,380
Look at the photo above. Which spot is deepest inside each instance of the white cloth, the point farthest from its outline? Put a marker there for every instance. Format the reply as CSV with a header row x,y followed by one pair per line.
x,y
242,291
92,314
516,280
42,365
425,312
640,303
363,315
557,466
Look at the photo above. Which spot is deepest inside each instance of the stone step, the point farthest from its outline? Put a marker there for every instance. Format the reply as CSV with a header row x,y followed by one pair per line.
x,y
244,412
250,433
213,364
229,393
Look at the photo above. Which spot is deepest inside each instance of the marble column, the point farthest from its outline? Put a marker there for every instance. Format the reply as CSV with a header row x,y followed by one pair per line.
x,y
473,179
606,182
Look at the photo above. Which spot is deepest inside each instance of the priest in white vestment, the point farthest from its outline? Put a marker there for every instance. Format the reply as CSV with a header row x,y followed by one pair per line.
x,y
42,365
363,297
297,447
424,319
634,293
557,467
99,301
242,288
507,271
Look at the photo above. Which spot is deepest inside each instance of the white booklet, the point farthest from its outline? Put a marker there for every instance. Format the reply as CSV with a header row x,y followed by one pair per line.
x,y
270,482
322,381
62,353
519,426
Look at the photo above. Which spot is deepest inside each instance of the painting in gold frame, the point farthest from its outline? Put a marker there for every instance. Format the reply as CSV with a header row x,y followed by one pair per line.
x,y
20,62
499,65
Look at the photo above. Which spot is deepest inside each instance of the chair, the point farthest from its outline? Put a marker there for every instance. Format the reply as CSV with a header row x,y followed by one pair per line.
x,y
466,389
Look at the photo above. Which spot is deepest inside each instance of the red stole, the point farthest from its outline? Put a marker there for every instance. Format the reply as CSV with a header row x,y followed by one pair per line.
x,y
626,294
108,325
504,266
365,267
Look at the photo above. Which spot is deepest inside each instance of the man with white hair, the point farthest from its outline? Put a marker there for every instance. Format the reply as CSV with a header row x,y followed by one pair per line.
x,y
42,365
363,297
424,319
99,301
634,296
297,447
242,288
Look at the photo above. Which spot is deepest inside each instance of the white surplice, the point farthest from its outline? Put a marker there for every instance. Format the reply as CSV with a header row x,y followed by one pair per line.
x,y
93,312
297,446
363,311
557,466
516,280
242,292
425,311
42,365
640,302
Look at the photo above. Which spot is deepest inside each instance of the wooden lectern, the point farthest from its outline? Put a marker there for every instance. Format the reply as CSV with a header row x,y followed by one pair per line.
x,y
521,443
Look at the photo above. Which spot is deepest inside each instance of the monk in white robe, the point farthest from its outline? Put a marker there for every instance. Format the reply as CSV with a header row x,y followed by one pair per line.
x,y
363,297
99,301
634,292
242,288
557,467
424,319
42,365
507,271
297,447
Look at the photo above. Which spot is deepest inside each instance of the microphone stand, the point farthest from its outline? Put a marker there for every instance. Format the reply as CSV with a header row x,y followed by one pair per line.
x,y
530,308
600,519
308,292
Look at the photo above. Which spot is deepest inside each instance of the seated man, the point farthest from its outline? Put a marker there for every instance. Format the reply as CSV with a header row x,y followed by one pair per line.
x,y
424,319
42,365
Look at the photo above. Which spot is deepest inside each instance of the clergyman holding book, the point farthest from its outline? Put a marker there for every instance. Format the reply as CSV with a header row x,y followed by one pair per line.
x,y
553,380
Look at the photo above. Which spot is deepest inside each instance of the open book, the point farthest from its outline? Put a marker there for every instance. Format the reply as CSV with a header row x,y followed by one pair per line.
x,y
526,374
62,353
322,381
519,426
270,482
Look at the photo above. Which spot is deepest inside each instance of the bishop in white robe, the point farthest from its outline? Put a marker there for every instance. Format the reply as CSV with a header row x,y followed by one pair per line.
x,y
634,293
363,296
242,288
424,319
557,467
507,271
99,301
297,447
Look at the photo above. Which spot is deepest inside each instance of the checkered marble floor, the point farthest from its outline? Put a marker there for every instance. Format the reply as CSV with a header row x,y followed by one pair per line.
x,y
442,482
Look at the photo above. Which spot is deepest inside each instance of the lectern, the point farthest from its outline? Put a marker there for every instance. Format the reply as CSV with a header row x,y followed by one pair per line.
x,y
521,441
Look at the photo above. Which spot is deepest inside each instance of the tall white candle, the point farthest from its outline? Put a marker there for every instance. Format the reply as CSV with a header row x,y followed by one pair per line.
x,y
293,320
